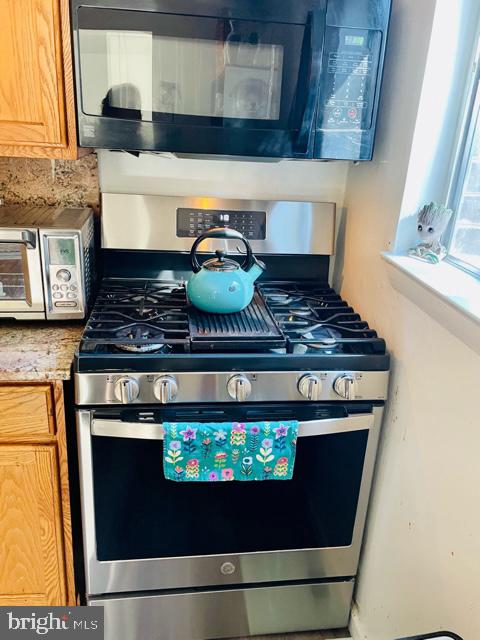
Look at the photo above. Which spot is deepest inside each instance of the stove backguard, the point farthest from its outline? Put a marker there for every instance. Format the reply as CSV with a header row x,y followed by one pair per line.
x,y
162,229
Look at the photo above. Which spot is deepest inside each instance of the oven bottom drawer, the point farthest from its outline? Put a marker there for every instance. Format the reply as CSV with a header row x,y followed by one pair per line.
x,y
204,615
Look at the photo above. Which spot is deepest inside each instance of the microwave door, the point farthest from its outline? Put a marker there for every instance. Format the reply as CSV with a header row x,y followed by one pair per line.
x,y
21,288
194,84
311,60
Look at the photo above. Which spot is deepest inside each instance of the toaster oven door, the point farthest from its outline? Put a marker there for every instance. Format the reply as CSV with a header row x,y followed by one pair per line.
x,y
21,286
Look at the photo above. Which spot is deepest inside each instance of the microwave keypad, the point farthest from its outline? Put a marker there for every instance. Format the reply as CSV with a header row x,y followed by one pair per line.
x,y
191,223
347,97
350,70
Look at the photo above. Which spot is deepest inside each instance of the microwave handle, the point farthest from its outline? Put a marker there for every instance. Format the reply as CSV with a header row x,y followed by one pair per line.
x,y
317,37
20,236
154,431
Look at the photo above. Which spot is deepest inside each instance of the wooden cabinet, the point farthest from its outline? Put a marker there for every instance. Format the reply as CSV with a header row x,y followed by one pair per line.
x,y
37,107
32,567
36,564
26,411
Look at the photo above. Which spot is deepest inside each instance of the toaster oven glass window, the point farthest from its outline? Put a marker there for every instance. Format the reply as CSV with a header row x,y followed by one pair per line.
x,y
12,276
184,69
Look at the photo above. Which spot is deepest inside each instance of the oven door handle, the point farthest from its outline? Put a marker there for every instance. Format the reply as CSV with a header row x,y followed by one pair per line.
x,y
154,431
20,236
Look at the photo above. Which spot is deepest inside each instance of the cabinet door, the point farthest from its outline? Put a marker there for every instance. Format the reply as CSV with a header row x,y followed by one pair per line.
x,y
32,570
26,413
32,108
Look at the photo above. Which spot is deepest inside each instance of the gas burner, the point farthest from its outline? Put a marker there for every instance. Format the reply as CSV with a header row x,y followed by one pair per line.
x,y
142,296
142,338
280,298
322,339
294,313
301,298
314,348
143,348
299,323
324,335
326,329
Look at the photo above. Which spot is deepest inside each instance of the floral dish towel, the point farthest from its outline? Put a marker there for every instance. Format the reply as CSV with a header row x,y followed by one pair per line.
x,y
222,451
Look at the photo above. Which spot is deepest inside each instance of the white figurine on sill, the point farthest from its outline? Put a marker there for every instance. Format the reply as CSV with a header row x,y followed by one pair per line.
x,y
432,221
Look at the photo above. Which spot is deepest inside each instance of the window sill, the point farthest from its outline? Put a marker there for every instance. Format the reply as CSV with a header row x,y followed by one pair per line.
x,y
448,294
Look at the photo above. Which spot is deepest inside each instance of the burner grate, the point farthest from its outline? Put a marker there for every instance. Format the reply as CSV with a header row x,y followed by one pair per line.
x,y
253,327
138,317
287,317
315,319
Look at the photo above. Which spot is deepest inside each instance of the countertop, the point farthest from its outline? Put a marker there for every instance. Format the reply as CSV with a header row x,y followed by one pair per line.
x,y
37,351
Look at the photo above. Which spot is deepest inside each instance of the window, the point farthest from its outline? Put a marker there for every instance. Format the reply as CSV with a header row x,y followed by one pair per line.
x,y
464,242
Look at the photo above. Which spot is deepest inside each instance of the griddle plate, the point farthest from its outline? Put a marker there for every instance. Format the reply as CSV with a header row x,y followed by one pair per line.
x,y
254,328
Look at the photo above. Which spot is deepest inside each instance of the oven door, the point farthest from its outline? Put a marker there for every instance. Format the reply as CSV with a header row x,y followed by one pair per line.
x,y
231,80
21,288
143,532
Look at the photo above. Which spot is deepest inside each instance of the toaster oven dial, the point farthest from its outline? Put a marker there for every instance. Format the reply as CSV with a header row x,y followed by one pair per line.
x,y
310,387
165,389
63,275
126,390
346,387
239,387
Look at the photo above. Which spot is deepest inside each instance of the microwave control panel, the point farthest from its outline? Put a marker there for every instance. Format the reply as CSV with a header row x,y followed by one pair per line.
x,y
191,223
349,78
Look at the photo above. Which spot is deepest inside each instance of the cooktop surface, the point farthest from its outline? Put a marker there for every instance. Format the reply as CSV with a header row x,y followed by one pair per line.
x,y
134,321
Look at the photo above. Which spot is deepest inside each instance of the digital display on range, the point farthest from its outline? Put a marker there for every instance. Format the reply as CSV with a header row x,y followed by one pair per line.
x,y
354,41
191,223
61,251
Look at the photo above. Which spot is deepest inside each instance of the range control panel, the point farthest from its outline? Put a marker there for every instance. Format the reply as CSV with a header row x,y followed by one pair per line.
x,y
191,223
350,71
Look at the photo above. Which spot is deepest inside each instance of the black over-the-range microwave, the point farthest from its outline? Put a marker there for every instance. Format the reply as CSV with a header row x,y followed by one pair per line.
x,y
255,78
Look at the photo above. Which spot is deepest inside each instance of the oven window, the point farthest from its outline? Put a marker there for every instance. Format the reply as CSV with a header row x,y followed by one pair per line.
x,y
139,514
12,275
182,69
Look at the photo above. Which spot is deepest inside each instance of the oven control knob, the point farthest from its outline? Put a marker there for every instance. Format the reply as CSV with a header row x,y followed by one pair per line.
x,y
239,387
165,389
310,386
346,387
126,390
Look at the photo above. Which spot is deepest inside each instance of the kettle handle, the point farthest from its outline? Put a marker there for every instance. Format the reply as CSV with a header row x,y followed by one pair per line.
x,y
228,234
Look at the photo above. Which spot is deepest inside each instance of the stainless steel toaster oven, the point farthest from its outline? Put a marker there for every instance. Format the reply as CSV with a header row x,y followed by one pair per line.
x,y
46,262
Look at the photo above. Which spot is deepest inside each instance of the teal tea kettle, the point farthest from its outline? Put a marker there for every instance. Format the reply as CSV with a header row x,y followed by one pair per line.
x,y
221,285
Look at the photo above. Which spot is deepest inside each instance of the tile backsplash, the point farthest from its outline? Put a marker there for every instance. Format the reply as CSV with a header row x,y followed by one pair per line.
x,y
50,182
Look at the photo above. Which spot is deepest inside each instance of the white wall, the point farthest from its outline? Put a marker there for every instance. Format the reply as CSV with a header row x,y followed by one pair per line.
x,y
150,174
420,565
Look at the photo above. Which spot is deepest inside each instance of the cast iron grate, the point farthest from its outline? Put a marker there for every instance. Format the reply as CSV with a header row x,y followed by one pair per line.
x,y
284,317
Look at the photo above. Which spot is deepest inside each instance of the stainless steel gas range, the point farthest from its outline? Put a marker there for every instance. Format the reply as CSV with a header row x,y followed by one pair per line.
x,y
174,561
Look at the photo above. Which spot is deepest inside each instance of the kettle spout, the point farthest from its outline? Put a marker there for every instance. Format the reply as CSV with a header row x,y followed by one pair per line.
x,y
256,270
